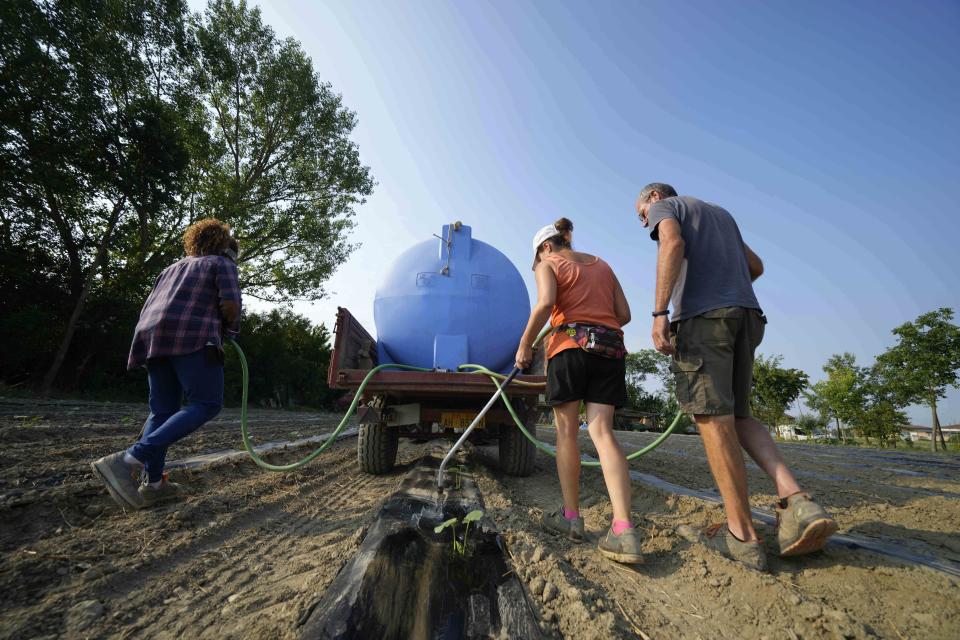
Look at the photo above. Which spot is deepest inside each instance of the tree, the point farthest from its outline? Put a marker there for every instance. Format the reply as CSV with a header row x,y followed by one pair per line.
x,y
924,363
774,389
842,393
650,362
882,415
639,365
809,424
283,170
87,143
288,359
123,121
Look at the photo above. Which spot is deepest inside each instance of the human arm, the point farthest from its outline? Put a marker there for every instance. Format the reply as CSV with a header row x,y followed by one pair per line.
x,y
546,299
670,251
754,264
228,291
621,308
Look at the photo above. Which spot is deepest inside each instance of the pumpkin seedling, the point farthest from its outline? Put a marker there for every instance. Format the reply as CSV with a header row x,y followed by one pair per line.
x,y
459,548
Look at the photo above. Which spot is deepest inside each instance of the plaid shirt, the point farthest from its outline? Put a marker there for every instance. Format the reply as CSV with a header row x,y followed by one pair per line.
x,y
182,313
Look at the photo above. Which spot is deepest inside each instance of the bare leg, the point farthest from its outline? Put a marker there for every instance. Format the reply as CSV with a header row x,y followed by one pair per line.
x,y
719,435
614,464
567,417
755,438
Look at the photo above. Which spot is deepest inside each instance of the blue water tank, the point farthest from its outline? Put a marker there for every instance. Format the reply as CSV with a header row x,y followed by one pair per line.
x,y
450,301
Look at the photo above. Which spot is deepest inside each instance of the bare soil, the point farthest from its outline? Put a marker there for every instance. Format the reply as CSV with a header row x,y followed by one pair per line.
x,y
247,553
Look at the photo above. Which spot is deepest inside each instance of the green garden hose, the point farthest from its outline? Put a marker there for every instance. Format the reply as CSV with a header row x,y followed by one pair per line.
x,y
263,464
475,369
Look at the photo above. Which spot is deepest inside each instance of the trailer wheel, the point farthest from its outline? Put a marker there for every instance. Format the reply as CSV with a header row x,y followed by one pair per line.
x,y
377,448
516,452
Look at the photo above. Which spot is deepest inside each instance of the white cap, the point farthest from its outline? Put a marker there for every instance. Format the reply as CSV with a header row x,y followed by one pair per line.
x,y
544,234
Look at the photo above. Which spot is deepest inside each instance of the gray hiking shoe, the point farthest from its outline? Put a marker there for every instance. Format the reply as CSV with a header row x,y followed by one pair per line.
x,y
623,548
122,479
803,526
166,491
558,524
717,537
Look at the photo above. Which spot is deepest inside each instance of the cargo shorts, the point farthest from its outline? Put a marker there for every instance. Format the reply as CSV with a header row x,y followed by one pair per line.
x,y
713,360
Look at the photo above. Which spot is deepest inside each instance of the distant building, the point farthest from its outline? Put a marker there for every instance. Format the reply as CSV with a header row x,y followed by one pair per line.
x,y
916,432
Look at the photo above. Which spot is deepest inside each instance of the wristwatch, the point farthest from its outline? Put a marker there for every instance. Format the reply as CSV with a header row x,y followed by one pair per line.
x,y
657,314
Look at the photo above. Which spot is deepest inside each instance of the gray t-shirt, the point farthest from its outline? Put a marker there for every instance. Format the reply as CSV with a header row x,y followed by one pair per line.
x,y
714,273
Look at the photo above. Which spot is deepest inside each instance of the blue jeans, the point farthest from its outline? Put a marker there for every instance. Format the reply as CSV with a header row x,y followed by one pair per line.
x,y
199,378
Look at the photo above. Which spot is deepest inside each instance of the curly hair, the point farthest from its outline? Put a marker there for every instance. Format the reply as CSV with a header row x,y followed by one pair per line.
x,y
207,237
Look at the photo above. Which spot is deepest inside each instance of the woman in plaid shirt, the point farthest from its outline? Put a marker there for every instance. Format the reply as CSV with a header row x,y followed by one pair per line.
x,y
179,339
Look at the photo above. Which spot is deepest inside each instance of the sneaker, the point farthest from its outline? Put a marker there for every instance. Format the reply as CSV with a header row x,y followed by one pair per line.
x,y
155,495
717,537
122,479
558,524
803,526
623,548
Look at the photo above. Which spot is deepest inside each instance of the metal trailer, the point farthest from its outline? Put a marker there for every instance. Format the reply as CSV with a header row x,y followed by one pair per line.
x,y
424,406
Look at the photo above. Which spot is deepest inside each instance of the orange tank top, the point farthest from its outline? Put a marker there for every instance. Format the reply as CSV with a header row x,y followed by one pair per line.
x,y
585,293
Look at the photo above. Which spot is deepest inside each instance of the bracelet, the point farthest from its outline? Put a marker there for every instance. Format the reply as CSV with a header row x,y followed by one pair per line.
x,y
657,314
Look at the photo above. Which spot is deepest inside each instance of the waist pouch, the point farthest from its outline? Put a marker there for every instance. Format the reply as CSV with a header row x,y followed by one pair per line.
x,y
597,339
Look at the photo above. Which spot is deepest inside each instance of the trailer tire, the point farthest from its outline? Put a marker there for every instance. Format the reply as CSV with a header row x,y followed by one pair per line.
x,y
517,454
377,448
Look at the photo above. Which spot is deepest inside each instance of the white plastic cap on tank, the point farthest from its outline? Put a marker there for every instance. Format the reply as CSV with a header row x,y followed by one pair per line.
x,y
544,234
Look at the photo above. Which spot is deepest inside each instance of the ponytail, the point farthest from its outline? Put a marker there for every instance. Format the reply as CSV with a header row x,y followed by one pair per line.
x,y
563,226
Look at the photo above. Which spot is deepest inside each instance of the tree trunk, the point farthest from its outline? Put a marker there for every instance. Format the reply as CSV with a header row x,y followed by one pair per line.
x,y
839,431
61,355
935,429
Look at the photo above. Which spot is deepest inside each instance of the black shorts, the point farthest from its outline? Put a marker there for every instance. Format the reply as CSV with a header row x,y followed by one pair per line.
x,y
574,374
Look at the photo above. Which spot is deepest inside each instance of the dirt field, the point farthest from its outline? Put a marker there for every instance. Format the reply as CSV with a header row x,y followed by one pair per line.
x,y
248,552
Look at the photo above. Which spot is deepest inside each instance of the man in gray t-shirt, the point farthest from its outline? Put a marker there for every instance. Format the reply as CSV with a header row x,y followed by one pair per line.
x,y
714,272
706,270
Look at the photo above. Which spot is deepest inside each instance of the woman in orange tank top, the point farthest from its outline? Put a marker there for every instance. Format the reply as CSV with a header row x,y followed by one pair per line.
x,y
583,299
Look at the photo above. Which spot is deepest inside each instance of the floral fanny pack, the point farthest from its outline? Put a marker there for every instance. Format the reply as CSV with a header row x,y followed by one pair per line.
x,y
596,339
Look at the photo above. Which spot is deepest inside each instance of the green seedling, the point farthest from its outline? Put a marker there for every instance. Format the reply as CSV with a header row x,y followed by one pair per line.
x,y
452,523
457,472
459,548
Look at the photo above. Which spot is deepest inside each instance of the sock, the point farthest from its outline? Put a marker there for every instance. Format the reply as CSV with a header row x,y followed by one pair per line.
x,y
129,459
570,514
619,526
155,485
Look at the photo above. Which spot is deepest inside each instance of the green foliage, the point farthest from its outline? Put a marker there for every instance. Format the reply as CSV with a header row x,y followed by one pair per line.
x,y
121,122
282,169
774,389
841,395
810,424
288,359
883,421
923,364
650,362
459,546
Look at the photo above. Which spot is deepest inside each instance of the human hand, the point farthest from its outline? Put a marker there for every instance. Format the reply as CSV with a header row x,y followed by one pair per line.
x,y
524,357
661,335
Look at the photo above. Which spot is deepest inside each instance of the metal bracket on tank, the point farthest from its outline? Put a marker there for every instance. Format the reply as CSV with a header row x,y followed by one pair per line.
x,y
448,242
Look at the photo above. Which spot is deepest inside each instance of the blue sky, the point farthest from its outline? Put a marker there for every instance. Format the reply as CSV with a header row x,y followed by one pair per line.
x,y
830,130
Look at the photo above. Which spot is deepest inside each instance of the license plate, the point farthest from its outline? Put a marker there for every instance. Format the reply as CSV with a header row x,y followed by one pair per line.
x,y
460,420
